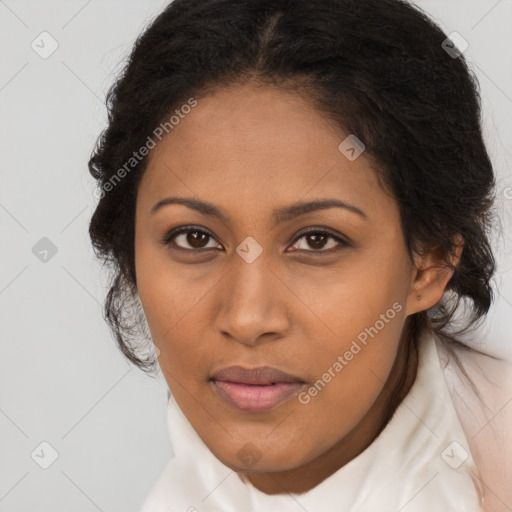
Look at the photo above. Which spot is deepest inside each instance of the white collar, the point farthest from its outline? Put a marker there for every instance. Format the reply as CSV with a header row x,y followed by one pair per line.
x,y
414,465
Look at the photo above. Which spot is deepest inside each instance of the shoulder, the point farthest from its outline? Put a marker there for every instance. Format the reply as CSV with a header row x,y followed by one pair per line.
x,y
481,389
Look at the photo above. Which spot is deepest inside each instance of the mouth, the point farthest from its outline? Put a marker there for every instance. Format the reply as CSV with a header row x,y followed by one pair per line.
x,y
255,390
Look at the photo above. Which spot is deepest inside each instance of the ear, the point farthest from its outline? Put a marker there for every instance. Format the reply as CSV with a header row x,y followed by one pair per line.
x,y
429,278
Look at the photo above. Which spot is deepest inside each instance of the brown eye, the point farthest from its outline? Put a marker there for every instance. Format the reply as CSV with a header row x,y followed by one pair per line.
x,y
197,239
188,238
318,240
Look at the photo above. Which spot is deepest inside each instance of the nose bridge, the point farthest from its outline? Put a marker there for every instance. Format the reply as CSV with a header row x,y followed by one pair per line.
x,y
250,304
249,278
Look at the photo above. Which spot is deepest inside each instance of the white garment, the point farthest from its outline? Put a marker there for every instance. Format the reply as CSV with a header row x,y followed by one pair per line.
x,y
421,461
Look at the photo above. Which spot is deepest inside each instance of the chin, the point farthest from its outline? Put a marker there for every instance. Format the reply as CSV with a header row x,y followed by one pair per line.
x,y
253,458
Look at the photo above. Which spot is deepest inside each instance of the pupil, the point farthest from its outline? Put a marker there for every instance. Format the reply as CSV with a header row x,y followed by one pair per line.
x,y
317,244
192,238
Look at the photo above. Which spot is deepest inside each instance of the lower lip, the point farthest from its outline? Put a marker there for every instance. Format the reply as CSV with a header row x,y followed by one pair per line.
x,y
254,398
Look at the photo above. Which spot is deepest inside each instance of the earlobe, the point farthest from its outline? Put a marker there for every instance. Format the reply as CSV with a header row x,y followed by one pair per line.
x,y
430,278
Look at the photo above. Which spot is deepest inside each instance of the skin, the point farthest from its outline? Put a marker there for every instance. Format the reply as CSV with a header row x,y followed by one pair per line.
x,y
249,149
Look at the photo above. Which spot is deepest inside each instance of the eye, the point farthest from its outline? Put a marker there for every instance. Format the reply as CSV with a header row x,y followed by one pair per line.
x,y
197,239
317,239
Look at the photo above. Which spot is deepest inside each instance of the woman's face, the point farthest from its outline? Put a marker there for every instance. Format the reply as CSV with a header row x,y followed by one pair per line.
x,y
247,287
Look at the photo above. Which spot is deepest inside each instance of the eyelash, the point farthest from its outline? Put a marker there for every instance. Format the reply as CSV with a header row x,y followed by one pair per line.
x,y
169,237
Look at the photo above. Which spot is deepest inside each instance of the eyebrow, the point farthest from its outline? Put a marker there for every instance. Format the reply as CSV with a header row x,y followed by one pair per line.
x,y
280,214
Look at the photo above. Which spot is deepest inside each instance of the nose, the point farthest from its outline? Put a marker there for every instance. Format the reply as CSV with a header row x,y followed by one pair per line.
x,y
253,303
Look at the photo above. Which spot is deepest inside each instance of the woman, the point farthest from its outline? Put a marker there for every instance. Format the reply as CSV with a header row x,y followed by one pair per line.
x,y
296,197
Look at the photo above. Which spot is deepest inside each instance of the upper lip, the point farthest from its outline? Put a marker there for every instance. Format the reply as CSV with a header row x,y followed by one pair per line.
x,y
262,375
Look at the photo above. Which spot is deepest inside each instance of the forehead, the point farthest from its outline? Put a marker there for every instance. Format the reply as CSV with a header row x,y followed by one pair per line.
x,y
253,146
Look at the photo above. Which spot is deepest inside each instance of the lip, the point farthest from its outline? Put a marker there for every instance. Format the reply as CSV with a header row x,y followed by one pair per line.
x,y
261,375
255,390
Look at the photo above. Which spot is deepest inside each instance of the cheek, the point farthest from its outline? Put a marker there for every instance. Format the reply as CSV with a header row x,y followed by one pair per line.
x,y
360,315
350,372
173,298
345,300
160,285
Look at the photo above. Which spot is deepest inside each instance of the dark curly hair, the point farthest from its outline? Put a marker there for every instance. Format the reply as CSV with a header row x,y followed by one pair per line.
x,y
379,68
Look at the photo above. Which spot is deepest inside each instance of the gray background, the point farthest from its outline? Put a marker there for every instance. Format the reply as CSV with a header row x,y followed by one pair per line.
x,y
62,380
